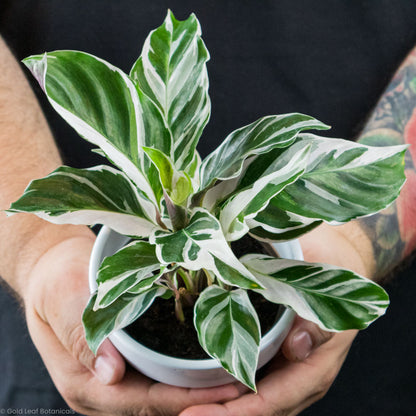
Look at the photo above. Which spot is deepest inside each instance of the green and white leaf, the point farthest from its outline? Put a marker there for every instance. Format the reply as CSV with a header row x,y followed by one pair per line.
x,y
263,135
172,72
229,331
273,224
252,197
100,323
98,195
202,245
134,266
344,180
177,184
333,298
102,104
153,280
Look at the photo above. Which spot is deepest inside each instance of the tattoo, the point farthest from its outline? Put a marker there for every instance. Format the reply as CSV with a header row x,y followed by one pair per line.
x,y
393,230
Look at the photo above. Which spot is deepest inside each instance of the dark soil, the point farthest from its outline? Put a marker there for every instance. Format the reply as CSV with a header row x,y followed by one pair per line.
x,y
159,330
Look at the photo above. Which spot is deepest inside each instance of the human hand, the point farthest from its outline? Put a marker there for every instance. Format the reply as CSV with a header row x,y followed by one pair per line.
x,y
54,298
310,358
289,386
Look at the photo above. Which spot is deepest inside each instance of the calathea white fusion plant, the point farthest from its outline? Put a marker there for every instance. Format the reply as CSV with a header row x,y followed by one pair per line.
x,y
269,179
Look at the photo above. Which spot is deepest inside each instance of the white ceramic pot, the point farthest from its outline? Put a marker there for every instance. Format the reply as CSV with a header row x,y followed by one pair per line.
x,y
177,371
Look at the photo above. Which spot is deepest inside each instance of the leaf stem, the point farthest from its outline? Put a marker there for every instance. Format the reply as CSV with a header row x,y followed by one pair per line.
x,y
187,279
180,316
210,279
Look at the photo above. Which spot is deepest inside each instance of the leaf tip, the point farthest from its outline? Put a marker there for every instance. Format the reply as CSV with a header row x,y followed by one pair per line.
x,y
9,212
37,65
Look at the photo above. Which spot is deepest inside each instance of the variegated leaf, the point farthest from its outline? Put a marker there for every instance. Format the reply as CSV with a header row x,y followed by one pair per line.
x,y
259,137
103,105
135,265
273,224
177,184
99,195
201,245
172,72
126,309
229,331
333,298
252,195
344,180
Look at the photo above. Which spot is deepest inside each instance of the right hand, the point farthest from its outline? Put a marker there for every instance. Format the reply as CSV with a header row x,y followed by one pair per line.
x,y
54,299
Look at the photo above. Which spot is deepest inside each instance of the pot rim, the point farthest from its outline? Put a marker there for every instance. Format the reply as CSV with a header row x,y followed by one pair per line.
x,y
291,250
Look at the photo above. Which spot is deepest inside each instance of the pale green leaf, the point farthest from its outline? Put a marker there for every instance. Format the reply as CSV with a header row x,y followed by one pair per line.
x,y
177,184
229,331
99,195
333,298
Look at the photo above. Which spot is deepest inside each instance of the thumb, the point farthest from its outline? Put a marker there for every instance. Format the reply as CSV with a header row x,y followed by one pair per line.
x,y
62,302
107,366
303,339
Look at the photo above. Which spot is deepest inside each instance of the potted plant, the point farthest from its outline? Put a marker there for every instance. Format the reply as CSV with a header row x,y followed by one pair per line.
x,y
271,180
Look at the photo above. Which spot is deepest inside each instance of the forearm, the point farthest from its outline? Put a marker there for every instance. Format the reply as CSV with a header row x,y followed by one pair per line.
x,y
27,151
374,245
392,232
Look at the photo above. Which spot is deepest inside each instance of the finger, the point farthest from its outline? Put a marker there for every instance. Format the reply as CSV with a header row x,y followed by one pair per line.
x,y
303,338
290,387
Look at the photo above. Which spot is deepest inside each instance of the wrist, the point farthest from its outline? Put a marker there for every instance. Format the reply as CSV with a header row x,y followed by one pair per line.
x,y
345,246
59,273
29,240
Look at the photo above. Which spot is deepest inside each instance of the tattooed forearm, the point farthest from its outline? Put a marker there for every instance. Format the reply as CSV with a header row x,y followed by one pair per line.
x,y
393,231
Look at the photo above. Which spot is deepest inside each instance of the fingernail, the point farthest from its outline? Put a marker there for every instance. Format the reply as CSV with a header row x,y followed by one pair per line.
x,y
103,369
302,345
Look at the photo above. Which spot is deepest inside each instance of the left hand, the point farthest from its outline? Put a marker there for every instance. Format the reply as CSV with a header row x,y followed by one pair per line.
x,y
311,358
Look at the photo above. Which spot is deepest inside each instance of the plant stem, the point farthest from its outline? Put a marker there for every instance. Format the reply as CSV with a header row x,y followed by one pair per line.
x,y
177,214
187,279
180,316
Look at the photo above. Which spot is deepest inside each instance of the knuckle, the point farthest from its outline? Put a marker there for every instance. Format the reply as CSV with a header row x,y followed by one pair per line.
x,y
78,347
